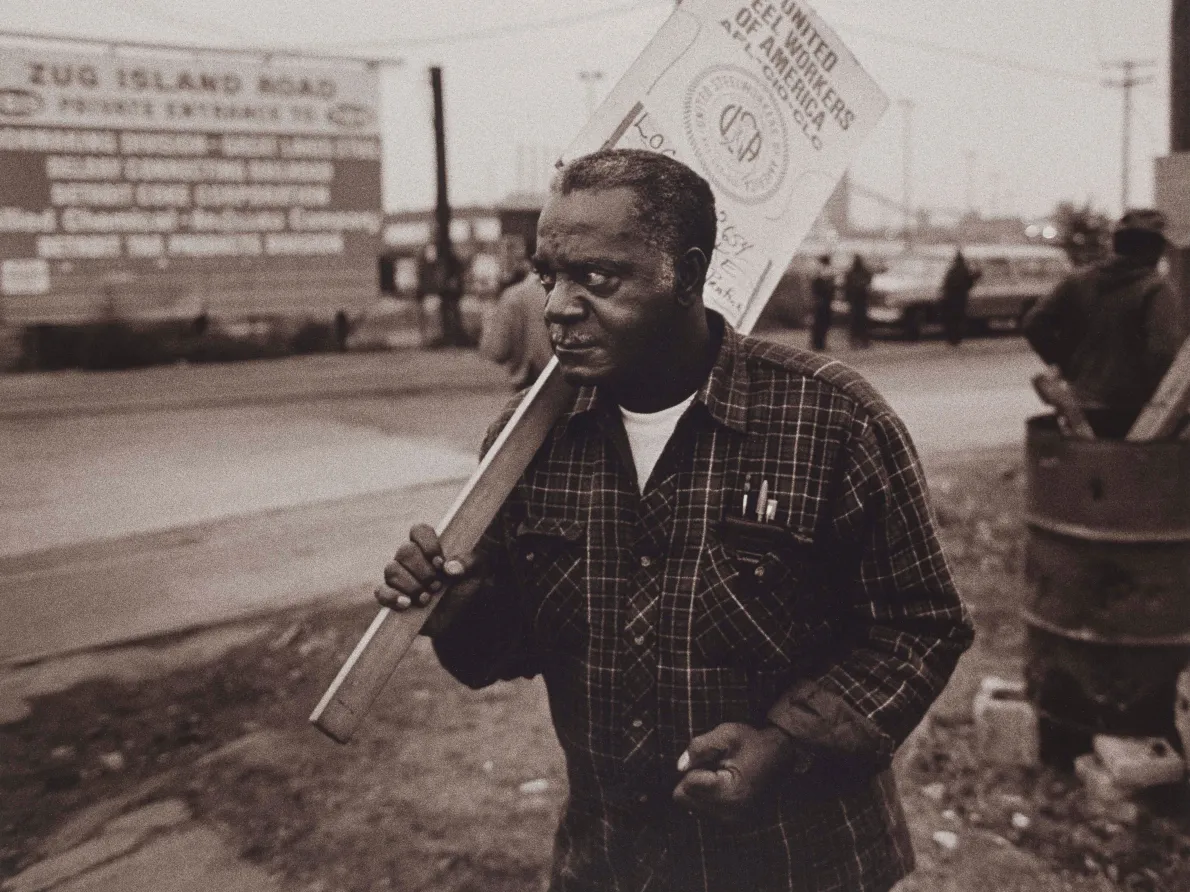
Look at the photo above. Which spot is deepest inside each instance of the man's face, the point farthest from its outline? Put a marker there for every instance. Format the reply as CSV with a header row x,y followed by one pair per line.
x,y
611,295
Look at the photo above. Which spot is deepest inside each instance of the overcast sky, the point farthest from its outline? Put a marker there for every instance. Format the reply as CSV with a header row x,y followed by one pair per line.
x,y
1009,114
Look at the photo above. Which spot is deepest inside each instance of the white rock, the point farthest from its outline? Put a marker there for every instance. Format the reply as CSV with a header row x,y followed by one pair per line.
x,y
113,761
935,791
946,839
1020,822
532,787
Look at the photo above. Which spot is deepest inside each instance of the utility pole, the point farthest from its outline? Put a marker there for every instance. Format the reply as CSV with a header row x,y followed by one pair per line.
x,y
1179,142
590,78
1128,80
907,170
449,274
969,197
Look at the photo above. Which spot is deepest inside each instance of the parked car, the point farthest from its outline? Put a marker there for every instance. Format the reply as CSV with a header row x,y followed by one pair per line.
x,y
1014,278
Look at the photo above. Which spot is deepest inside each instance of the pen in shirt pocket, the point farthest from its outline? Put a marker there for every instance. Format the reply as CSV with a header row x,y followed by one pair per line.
x,y
759,504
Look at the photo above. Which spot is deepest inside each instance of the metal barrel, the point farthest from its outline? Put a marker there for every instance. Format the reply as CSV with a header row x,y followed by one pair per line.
x,y
1108,563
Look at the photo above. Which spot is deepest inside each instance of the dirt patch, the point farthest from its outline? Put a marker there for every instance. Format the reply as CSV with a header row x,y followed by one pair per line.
x,y
451,789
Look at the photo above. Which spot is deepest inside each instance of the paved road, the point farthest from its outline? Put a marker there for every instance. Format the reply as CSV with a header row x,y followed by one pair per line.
x,y
141,503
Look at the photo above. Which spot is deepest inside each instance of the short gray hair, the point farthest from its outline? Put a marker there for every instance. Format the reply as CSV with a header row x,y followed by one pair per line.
x,y
675,206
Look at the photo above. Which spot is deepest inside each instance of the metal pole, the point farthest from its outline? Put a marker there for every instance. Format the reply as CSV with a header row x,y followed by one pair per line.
x,y
907,170
1179,134
449,279
1126,151
1127,81
970,191
590,79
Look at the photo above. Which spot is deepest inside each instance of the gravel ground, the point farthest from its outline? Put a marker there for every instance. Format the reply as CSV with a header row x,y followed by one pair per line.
x,y
450,789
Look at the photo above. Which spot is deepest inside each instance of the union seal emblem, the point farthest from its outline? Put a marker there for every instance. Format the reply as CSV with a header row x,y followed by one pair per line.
x,y
738,133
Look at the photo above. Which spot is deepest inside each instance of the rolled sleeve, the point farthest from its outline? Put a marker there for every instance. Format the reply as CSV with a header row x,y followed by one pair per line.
x,y
907,624
488,637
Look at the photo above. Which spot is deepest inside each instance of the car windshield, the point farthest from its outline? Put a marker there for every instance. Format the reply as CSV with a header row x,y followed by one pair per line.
x,y
914,266
996,268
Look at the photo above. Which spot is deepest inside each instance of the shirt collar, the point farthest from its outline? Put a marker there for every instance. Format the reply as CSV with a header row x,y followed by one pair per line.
x,y
724,393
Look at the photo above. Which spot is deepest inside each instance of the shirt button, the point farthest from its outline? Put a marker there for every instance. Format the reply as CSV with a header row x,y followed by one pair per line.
x,y
639,639
646,561
642,798
529,556
759,571
637,723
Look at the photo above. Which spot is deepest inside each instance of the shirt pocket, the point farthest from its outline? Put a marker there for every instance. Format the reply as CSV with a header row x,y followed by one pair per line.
x,y
750,604
549,554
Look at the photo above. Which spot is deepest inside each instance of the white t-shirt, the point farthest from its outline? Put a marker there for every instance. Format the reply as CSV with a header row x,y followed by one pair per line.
x,y
648,432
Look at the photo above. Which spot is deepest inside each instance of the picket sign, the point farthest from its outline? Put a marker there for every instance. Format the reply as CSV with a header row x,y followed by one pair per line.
x,y
765,102
1167,406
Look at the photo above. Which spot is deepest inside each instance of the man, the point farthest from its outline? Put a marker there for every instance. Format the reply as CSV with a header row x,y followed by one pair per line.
x,y
960,278
856,283
721,561
822,290
515,335
1112,330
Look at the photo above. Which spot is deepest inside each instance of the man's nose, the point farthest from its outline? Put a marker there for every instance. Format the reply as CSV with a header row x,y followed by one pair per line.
x,y
564,304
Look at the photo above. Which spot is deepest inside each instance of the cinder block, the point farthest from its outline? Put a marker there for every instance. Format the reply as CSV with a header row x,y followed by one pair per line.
x,y
1182,711
1006,727
1139,762
1112,800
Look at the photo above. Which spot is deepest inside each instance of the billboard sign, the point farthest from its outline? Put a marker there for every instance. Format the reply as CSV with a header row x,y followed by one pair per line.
x,y
167,168
765,101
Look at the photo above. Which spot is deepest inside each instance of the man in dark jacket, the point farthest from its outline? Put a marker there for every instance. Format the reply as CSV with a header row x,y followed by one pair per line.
x,y
721,561
822,290
1112,330
960,278
857,289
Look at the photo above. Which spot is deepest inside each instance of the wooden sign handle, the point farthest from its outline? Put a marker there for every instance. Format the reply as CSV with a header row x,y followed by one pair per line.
x,y
1165,409
392,633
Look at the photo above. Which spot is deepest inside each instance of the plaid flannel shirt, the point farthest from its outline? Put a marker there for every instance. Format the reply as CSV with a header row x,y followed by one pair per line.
x,y
655,617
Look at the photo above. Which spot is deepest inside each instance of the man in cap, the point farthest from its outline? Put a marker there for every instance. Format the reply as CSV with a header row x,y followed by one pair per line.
x,y
1112,330
721,561
960,278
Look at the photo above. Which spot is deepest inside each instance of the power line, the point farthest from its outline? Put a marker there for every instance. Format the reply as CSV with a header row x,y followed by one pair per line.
x,y
971,55
502,30
147,10
267,53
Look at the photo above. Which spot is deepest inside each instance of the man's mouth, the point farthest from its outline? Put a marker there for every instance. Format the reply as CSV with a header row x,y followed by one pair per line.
x,y
572,345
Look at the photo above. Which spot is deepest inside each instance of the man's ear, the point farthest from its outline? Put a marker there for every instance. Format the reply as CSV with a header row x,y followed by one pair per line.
x,y
690,271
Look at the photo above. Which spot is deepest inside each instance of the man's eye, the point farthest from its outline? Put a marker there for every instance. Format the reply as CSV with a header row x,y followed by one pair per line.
x,y
594,279
546,279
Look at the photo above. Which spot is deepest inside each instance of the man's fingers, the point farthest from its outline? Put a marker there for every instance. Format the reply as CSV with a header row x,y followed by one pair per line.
x,y
413,561
702,783
426,539
706,750
391,598
397,576
706,792
462,565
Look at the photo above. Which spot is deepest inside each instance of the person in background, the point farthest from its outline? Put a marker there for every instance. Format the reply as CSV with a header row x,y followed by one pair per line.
x,y
822,290
960,278
721,561
857,290
1112,330
515,334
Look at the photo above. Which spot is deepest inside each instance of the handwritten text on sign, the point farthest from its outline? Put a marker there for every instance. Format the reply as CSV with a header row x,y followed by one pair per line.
x,y
761,98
